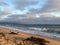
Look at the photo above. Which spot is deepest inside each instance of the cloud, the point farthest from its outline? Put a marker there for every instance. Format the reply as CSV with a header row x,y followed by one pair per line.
x,y
5,13
45,18
21,4
40,21
3,3
51,6
34,11
30,11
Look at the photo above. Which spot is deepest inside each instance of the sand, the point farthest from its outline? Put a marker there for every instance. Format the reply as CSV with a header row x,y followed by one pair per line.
x,y
19,36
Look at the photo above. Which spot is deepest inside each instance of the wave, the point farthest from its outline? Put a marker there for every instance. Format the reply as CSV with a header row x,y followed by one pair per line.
x,y
33,30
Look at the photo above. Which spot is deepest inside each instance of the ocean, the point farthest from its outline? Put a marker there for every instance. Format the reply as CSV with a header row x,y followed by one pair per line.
x,y
49,30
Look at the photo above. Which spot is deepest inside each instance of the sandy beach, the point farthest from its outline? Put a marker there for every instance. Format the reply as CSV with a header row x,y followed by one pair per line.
x,y
13,37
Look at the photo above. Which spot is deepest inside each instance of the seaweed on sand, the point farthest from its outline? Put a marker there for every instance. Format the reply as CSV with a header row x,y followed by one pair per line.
x,y
12,33
2,34
39,41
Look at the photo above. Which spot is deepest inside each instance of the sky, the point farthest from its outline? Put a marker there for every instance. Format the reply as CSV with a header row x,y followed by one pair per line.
x,y
30,11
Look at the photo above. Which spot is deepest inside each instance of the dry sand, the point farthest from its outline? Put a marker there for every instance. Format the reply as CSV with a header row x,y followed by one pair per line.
x,y
21,35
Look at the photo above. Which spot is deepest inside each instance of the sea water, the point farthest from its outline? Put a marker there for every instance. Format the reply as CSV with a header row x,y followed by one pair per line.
x,y
52,31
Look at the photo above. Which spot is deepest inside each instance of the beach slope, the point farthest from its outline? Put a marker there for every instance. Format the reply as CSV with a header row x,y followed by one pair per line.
x,y
14,37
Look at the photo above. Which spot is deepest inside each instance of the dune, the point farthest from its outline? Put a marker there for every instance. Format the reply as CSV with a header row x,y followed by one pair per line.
x,y
14,37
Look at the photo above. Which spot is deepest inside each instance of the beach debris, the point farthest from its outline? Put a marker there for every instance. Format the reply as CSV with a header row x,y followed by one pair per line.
x,y
2,34
40,41
21,41
12,33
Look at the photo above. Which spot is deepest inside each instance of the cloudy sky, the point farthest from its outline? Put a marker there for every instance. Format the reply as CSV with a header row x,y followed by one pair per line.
x,y
30,11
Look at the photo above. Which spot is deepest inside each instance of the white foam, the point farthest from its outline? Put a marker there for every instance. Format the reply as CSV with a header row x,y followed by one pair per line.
x,y
51,35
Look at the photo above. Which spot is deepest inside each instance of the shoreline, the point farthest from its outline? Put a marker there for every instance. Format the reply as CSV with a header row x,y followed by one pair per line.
x,y
19,30
25,35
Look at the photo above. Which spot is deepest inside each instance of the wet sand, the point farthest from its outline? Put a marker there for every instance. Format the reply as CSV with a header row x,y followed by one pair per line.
x,y
9,35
